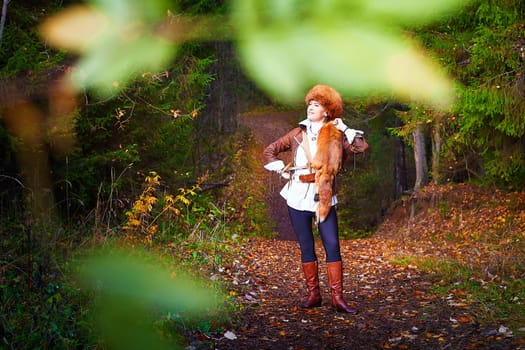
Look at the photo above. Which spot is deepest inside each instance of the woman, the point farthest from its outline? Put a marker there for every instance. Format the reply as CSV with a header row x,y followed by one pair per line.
x,y
303,190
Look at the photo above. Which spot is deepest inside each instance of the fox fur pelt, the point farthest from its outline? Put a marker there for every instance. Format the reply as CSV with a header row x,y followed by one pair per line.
x,y
327,162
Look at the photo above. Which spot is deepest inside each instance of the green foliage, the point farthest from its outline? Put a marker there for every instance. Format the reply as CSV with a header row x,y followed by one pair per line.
x,y
506,169
246,213
196,7
55,316
120,289
480,108
490,121
40,308
22,50
360,201
149,124
482,47
116,135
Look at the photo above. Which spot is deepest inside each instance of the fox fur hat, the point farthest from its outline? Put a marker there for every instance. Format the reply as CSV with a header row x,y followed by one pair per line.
x,y
329,98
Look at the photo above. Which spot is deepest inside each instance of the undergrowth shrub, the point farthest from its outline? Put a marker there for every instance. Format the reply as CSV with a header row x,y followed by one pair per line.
x,y
40,307
359,207
247,213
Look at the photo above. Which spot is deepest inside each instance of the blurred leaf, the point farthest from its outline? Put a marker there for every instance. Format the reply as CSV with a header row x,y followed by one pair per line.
x,y
287,47
357,46
74,28
117,39
133,277
131,287
128,327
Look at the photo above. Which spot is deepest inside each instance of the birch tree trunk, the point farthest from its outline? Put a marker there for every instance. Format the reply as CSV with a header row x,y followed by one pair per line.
x,y
420,158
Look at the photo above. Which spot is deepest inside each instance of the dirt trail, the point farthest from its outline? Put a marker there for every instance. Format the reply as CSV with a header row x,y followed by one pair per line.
x,y
267,127
398,309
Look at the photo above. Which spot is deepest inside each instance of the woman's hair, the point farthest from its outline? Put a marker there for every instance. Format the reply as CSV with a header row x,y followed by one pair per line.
x,y
329,98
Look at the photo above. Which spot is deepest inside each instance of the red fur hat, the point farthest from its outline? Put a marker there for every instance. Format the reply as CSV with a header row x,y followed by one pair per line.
x,y
329,98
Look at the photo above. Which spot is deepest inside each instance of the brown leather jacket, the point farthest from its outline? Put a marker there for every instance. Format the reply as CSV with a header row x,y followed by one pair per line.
x,y
292,140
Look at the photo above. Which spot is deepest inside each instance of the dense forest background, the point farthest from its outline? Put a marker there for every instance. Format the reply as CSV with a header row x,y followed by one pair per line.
x,y
161,162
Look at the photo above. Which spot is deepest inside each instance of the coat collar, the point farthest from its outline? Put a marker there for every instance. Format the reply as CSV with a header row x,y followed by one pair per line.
x,y
306,123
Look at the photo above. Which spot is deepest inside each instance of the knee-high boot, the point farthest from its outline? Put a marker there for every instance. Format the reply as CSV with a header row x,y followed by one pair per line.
x,y
335,280
312,284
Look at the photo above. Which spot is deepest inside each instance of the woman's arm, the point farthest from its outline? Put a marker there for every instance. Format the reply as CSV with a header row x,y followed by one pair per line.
x,y
349,135
283,144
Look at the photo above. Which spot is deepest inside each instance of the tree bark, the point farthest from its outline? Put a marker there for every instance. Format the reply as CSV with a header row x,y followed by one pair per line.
x,y
436,152
222,105
401,168
420,158
26,122
2,19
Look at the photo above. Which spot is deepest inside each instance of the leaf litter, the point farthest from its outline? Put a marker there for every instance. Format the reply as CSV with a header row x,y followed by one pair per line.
x,y
398,308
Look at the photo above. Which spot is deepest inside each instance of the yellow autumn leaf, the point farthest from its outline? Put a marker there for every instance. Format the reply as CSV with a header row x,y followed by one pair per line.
x,y
152,229
151,200
169,199
174,210
134,222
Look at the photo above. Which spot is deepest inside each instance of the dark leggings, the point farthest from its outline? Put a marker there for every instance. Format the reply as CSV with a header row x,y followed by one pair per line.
x,y
302,222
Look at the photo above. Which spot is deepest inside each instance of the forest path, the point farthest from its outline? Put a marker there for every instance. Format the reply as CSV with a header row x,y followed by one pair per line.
x,y
267,127
397,308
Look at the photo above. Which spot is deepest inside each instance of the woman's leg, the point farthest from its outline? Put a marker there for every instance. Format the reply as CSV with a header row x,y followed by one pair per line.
x,y
330,236
302,225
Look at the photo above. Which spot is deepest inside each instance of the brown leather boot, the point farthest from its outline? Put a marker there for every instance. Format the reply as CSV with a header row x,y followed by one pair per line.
x,y
312,284
335,280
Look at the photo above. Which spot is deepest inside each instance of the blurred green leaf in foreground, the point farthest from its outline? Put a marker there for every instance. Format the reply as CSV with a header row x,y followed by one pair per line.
x,y
134,288
358,46
115,38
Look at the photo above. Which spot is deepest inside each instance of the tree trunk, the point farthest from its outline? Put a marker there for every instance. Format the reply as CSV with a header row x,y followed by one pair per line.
x,y
436,152
26,122
2,19
221,106
420,158
401,168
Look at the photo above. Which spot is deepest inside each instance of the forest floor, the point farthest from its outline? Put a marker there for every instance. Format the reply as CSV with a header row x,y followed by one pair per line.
x,y
398,305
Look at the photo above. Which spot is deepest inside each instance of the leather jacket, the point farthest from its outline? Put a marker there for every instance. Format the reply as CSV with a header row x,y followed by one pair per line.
x,y
292,140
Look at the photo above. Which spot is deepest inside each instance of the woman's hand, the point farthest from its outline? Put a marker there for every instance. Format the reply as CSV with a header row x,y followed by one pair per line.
x,y
339,124
277,166
349,132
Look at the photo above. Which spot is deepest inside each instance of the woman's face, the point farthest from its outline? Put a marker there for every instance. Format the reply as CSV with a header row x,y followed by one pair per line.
x,y
315,112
